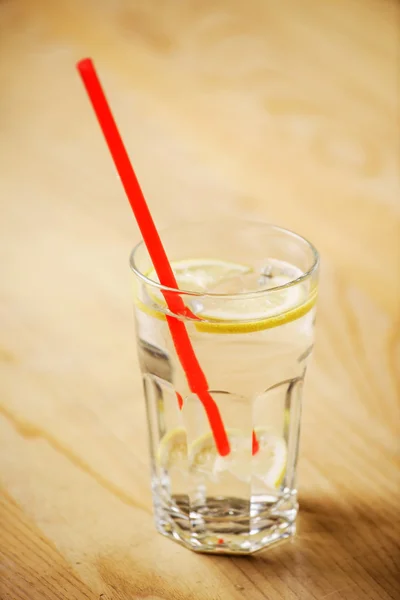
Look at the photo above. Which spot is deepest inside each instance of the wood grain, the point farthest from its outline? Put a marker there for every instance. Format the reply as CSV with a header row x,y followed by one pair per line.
x,y
284,112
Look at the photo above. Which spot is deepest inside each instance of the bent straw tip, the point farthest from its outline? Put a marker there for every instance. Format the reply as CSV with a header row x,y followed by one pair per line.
x,y
84,64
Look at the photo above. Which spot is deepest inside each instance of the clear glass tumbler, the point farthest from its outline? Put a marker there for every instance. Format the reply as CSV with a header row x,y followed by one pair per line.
x,y
249,292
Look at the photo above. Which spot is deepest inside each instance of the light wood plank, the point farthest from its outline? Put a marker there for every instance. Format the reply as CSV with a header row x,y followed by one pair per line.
x,y
279,111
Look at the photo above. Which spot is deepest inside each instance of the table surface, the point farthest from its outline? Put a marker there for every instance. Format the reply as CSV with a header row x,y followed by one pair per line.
x,y
278,111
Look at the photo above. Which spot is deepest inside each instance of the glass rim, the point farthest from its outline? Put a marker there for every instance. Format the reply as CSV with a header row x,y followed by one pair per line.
x,y
243,295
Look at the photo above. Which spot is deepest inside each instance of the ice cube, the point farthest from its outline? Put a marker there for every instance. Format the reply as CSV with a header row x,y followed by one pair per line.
x,y
240,284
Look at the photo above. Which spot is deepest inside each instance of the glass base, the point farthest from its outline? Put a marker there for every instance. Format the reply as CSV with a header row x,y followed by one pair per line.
x,y
226,525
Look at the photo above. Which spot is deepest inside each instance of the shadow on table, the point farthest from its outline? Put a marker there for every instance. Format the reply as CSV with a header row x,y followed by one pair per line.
x,y
335,540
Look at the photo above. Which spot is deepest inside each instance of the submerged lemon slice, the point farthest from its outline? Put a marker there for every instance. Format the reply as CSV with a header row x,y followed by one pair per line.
x,y
268,465
274,303
172,449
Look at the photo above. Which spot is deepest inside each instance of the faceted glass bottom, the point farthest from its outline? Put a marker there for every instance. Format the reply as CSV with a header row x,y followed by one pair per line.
x,y
227,525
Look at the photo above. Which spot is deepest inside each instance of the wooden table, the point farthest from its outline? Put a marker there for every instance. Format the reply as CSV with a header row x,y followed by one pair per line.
x,y
279,111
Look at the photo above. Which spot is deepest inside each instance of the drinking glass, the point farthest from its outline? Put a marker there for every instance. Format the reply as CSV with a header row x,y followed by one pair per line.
x,y
249,290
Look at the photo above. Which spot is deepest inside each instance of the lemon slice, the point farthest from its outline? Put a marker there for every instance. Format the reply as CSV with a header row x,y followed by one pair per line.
x,y
202,455
262,306
282,303
268,465
172,449
198,275
231,325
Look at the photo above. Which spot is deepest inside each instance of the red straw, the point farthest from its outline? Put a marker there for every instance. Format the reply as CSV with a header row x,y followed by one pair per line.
x,y
194,374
